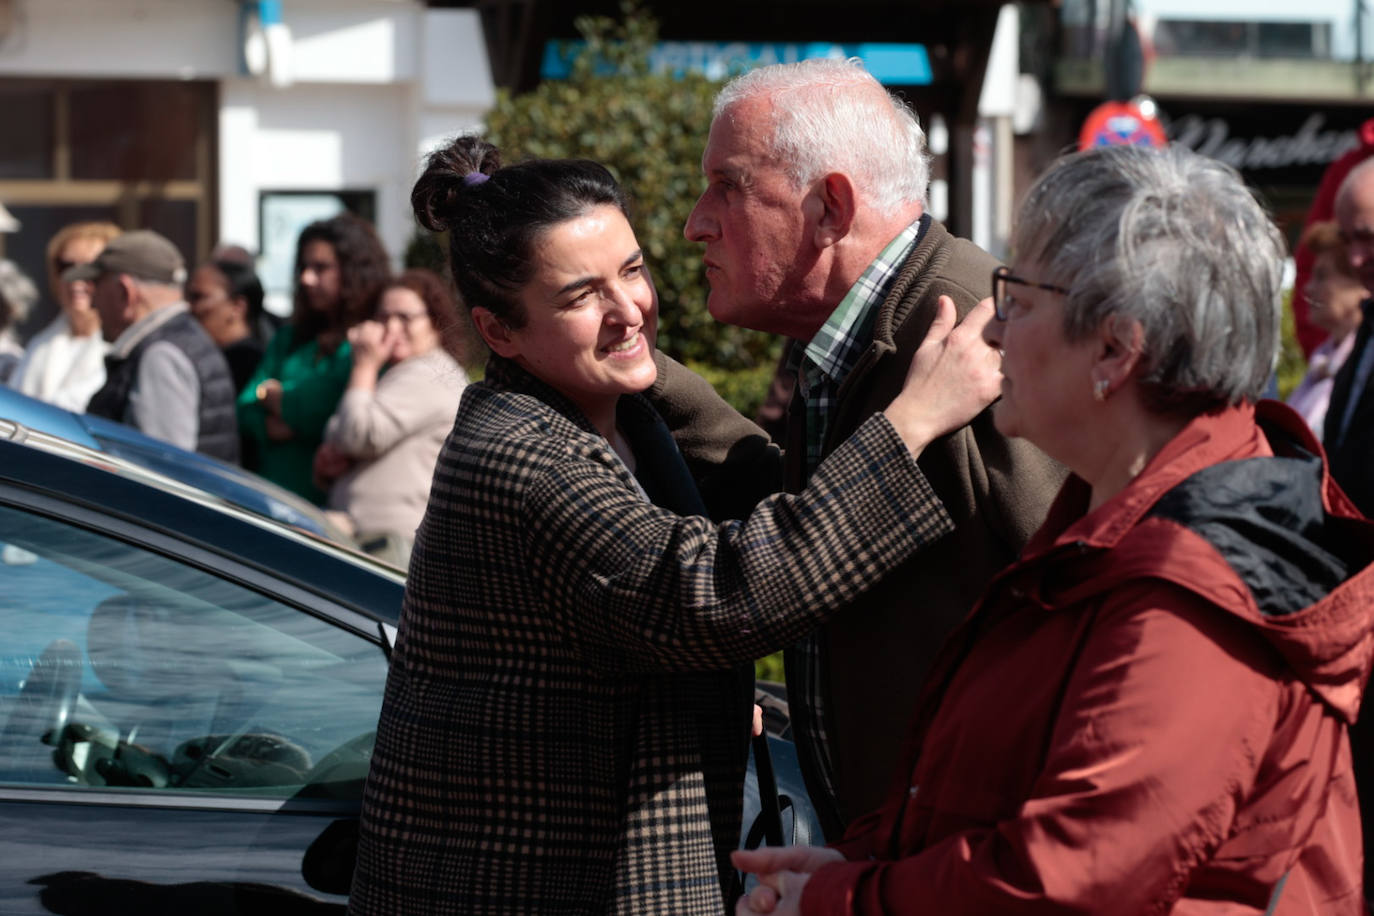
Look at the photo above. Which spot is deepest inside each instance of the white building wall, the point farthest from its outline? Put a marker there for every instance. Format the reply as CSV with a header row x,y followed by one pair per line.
x,y
314,137
455,77
141,39
373,84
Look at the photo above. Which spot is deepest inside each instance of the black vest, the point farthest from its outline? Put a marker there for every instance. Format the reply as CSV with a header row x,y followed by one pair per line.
x,y
218,434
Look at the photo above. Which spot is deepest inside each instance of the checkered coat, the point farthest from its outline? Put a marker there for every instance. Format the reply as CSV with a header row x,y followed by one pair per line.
x,y
565,728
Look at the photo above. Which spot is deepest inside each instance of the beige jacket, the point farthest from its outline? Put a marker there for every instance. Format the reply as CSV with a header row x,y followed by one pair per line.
x,y
395,434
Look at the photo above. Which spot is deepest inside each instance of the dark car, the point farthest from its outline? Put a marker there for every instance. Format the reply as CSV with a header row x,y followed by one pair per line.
x,y
228,481
188,695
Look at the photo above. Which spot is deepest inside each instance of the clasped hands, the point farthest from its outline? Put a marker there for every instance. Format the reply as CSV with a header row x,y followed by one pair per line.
x,y
330,463
782,873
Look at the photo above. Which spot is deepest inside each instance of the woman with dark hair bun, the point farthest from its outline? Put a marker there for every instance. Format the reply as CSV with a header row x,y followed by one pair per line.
x,y
567,716
340,269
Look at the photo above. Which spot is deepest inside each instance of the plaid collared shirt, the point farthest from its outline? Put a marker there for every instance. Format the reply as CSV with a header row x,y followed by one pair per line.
x,y
846,334
821,368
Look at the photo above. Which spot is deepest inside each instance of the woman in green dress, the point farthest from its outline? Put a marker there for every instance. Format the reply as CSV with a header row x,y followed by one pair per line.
x,y
340,270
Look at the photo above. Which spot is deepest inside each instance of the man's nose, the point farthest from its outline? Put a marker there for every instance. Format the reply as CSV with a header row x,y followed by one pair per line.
x,y
700,227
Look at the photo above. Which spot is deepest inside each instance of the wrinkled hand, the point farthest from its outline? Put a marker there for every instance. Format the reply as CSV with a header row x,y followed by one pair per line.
x,y
330,463
372,344
778,893
783,873
277,430
954,375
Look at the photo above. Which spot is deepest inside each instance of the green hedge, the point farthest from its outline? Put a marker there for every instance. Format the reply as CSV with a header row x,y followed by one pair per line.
x,y
745,389
1292,364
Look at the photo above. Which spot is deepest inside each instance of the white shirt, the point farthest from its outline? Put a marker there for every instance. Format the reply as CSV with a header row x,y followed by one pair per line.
x,y
61,368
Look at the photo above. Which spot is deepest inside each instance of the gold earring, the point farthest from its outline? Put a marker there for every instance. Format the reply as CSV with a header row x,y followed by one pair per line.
x,y
1100,388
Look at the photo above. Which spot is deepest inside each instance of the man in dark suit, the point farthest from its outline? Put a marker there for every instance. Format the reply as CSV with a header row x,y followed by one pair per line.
x,y
1349,432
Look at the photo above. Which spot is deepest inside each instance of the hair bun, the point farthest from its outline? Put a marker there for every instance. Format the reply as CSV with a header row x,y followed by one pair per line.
x,y
449,173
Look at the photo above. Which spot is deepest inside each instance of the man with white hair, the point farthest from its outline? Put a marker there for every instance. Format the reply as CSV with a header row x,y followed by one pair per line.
x,y
163,374
815,227
1349,433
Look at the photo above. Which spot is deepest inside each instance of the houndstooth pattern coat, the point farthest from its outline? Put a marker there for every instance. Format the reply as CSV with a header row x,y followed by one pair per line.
x,y
566,720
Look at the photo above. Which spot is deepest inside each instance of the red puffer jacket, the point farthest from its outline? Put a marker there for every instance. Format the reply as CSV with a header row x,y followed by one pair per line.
x,y
1148,712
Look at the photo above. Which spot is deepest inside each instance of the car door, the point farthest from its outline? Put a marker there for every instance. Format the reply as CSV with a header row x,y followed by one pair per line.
x,y
178,733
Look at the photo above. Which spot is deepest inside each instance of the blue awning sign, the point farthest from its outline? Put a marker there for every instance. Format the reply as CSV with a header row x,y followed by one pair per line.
x,y
890,63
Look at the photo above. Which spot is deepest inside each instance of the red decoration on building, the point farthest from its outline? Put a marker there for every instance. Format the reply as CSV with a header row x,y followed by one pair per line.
x,y
1120,124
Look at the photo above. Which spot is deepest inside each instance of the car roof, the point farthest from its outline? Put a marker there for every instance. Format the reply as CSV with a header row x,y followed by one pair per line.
x,y
230,481
76,475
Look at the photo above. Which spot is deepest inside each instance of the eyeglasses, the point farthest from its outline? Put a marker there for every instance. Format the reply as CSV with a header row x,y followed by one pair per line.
x,y
1002,302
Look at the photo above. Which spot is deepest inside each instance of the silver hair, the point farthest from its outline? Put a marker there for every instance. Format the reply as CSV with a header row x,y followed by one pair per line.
x,y
832,115
1359,173
17,293
1175,241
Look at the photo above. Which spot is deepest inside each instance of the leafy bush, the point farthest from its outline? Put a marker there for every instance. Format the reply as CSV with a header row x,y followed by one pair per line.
x,y
1292,364
744,389
649,130
769,668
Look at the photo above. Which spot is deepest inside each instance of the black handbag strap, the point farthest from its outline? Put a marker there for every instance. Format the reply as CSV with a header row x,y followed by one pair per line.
x,y
769,821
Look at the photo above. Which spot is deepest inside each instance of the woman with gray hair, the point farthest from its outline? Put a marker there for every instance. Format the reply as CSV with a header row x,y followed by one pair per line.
x,y
17,295
1148,712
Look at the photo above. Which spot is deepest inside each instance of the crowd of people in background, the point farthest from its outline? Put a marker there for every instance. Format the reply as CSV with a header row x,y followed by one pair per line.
x,y
345,401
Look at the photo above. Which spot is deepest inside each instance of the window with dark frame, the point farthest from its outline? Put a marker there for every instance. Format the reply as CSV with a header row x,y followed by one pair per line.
x,y
136,153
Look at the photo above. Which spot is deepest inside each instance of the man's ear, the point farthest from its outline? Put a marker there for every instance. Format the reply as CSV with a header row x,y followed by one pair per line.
x,y
495,333
835,202
131,292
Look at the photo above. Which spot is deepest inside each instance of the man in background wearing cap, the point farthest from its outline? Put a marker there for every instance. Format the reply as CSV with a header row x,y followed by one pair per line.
x,y
163,375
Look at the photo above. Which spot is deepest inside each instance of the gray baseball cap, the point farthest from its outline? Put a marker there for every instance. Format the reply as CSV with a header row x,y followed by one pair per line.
x,y
143,254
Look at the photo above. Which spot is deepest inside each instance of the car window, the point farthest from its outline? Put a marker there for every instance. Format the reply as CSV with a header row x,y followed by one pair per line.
x,y
123,669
